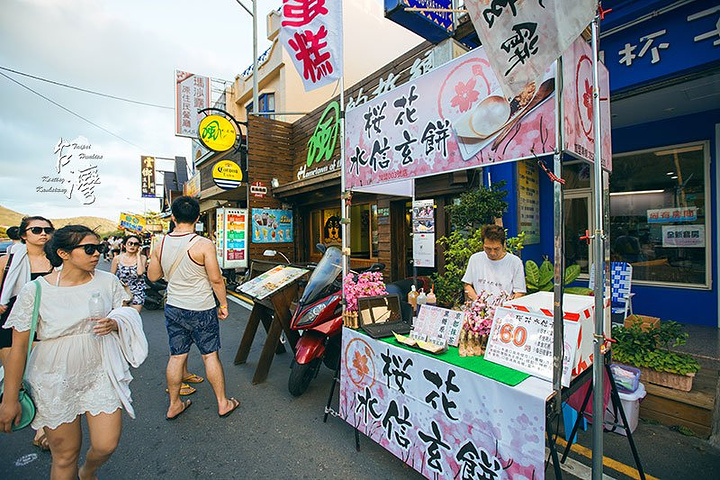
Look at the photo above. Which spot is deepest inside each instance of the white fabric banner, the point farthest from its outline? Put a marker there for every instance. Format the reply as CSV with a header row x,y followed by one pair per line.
x,y
312,33
522,38
440,419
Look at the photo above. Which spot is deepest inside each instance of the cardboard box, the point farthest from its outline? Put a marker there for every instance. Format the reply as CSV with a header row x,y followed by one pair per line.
x,y
645,321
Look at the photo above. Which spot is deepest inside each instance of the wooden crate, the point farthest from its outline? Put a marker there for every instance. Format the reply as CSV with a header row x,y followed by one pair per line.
x,y
693,410
645,321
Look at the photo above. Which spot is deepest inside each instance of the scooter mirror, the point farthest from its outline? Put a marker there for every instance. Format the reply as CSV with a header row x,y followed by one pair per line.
x,y
320,248
269,253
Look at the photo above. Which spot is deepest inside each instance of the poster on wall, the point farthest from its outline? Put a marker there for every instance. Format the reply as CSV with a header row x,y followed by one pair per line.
x,y
423,221
528,201
231,237
272,226
578,105
683,236
454,117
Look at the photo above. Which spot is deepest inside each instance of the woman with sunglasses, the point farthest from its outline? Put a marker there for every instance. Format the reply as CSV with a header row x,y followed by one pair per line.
x,y
26,263
66,376
129,267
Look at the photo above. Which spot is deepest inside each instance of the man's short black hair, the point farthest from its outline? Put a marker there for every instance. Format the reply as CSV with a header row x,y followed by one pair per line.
x,y
493,232
185,209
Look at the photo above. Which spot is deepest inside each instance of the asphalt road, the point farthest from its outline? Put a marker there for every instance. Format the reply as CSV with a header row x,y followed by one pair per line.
x,y
274,435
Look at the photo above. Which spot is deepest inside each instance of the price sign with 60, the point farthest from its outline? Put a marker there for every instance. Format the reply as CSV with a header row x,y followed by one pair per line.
x,y
510,333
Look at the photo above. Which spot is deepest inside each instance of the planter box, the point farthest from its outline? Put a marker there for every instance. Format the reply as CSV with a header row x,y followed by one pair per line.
x,y
645,321
667,379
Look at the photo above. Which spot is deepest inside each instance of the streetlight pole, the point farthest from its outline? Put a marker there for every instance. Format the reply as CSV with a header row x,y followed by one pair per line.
x,y
253,14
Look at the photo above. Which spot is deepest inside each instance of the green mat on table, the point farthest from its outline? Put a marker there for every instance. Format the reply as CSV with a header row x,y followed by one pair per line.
x,y
478,365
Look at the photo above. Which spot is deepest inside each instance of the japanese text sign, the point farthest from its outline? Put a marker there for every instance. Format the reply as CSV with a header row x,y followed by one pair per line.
x,y
454,117
440,419
523,38
147,176
192,93
312,33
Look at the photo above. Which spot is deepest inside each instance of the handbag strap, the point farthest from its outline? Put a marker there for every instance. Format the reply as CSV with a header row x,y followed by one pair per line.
x,y
5,272
33,327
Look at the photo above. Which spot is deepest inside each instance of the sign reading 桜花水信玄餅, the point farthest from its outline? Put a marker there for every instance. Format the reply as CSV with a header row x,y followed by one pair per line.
x,y
523,39
312,34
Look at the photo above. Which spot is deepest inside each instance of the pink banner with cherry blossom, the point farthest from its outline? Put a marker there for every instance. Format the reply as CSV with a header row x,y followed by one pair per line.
x,y
442,420
453,118
312,33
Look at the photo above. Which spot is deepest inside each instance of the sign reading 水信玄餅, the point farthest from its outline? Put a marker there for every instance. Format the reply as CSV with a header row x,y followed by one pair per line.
x,y
523,39
147,177
192,93
312,34
75,171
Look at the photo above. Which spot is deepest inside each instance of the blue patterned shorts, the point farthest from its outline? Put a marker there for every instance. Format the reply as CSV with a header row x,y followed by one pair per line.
x,y
186,327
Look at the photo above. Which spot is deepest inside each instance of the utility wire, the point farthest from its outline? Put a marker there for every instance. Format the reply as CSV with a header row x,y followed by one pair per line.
x,y
85,90
71,112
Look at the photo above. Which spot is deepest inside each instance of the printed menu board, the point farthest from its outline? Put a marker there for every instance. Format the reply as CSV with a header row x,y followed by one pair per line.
x,y
272,226
438,323
271,281
231,237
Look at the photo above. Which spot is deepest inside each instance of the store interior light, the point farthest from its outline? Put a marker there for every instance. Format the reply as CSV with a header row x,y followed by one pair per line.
x,y
636,192
674,177
670,173
275,183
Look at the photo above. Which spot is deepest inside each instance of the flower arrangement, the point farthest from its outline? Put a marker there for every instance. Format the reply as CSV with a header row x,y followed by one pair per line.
x,y
478,322
368,284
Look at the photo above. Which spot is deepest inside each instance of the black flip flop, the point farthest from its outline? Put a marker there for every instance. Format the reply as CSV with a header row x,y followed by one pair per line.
x,y
187,404
236,403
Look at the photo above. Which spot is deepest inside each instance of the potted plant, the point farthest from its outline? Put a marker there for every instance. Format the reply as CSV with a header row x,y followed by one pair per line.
x,y
648,348
540,279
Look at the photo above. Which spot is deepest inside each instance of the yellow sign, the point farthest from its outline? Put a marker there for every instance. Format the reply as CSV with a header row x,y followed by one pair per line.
x,y
192,186
134,223
227,174
217,133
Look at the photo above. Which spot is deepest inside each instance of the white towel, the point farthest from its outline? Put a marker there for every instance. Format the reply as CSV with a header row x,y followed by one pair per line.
x,y
18,274
126,346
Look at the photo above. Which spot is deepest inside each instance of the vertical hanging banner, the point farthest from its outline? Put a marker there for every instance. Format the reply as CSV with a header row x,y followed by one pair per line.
x,y
147,176
523,38
311,31
423,220
192,93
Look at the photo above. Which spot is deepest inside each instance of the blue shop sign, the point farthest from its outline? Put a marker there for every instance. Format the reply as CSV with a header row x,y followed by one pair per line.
x,y
432,26
668,45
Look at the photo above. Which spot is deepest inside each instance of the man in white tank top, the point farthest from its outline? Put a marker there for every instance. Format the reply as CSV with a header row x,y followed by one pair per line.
x,y
189,264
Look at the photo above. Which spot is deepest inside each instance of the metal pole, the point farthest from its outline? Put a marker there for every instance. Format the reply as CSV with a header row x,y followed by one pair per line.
x,y
255,58
343,192
559,238
599,259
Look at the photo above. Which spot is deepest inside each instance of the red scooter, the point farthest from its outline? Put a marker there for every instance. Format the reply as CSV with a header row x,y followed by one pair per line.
x,y
319,317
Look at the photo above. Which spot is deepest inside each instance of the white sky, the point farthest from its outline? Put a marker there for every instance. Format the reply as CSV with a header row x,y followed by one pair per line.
x,y
126,48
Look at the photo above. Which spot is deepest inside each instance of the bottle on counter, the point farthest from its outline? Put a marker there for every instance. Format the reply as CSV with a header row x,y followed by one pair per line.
x,y
412,298
421,299
431,298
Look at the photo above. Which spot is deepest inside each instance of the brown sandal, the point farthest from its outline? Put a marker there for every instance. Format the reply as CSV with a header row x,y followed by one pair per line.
x,y
185,389
42,443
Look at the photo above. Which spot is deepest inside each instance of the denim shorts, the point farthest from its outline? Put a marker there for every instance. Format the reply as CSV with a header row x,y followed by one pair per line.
x,y
186,327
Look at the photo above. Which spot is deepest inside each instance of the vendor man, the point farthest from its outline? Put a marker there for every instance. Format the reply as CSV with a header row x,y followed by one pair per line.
x,y
494,269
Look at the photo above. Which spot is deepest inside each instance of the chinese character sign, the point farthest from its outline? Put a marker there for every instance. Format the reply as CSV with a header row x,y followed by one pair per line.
x,y
524,37
454,117
440,419
75,171
147,176
192,93
311,32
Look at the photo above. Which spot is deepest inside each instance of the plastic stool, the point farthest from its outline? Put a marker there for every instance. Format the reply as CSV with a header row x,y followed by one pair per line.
x,y
569,417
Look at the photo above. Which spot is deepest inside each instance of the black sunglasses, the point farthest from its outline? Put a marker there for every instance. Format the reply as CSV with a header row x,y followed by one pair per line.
x,y
132,244
91,248
39,230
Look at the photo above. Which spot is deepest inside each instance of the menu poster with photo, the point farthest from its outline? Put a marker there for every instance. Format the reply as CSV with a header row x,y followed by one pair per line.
x,y
423,222
231,237
272,226
435,322
271,281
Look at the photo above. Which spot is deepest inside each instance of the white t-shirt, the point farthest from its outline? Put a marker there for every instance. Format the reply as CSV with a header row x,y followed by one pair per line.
x,y
495,276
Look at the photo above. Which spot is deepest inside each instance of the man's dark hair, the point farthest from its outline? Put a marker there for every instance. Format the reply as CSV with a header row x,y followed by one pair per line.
x,y
185,209
493,232
13,233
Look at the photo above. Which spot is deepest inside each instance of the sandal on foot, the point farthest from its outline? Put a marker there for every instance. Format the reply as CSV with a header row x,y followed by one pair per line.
x,y
187,404
42,443
192,378
185,389
235,403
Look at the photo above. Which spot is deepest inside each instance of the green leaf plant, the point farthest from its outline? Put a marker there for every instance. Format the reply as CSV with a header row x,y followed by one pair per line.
x,y
541,279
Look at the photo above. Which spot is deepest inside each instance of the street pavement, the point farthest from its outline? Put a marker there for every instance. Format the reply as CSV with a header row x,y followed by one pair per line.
x,y
274,435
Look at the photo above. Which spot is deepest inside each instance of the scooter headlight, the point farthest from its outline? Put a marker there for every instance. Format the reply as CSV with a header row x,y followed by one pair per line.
x,y
312,314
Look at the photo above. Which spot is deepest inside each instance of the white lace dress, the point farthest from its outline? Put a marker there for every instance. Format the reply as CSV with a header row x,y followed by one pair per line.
x,y
65,375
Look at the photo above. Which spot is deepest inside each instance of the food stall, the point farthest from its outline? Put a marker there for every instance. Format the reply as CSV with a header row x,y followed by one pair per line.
x,y
446,415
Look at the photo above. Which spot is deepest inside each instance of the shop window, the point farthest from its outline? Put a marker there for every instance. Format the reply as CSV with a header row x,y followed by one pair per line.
x,y
364,238
658,222
266,103
576,210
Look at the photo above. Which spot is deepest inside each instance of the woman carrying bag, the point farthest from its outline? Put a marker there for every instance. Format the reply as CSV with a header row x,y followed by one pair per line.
x,y
67,374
